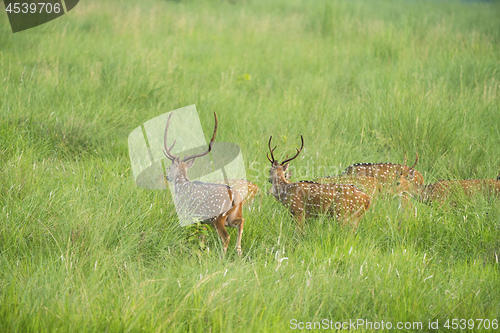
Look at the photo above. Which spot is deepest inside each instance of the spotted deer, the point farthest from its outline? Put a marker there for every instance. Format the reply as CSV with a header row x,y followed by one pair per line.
x,y
386,173
369,185
446,190
305,199
215,204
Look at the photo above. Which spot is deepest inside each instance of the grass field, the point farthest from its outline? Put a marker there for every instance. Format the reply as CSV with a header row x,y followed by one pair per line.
x,y
83,249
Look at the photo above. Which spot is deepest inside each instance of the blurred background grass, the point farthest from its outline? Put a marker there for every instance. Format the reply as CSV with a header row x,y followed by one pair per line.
x,y
82,248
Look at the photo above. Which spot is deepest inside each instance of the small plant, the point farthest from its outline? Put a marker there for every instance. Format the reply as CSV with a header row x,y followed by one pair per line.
x,y
196,239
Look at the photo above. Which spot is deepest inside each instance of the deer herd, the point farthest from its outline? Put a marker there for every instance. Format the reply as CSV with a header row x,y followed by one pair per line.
x,y
347,196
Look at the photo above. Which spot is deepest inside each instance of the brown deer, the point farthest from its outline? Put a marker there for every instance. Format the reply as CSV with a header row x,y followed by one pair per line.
x,y
386,173
215,204
369,185
305,199
443,190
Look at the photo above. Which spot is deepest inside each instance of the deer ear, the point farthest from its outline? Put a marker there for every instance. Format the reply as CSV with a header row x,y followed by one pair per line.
x,y
189,163
289,174
411,174
285,167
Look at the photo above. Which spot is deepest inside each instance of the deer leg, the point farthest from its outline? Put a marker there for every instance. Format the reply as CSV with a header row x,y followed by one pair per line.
x,y
359,205
301,222
362,209
300,215
235,220
219,225
341,219
345,216
240,232
356,216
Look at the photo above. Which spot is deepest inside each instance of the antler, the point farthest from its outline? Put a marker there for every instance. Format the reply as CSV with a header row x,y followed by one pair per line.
x,y
416,160
166,150
272,150
187,158
298,152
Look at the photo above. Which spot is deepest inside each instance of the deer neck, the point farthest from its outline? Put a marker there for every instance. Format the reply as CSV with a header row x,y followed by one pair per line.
x,y
180,178
279,188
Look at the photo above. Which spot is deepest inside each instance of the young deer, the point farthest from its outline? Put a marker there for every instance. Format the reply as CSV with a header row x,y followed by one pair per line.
x,y
443,190
386,173
369,185
305,199
215,204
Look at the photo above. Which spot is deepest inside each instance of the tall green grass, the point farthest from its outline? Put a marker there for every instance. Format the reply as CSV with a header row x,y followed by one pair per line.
x,y
83,249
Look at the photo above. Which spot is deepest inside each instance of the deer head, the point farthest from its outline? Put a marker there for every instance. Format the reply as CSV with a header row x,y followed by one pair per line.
x,y
178,168
279,171
405,183
411,173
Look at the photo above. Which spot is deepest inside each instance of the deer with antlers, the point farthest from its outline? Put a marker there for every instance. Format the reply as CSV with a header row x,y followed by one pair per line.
x,y
386,173
443,190
305,199
215,204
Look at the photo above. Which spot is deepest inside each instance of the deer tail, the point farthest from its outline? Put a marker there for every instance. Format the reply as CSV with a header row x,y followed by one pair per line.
x,y
236,197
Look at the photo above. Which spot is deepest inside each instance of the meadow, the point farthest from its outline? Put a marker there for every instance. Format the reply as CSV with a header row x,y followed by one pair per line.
x,y
82,248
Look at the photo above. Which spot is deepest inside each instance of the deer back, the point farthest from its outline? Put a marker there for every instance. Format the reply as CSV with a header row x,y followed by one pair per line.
x,y
199,201
386,173
369,185
245,188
